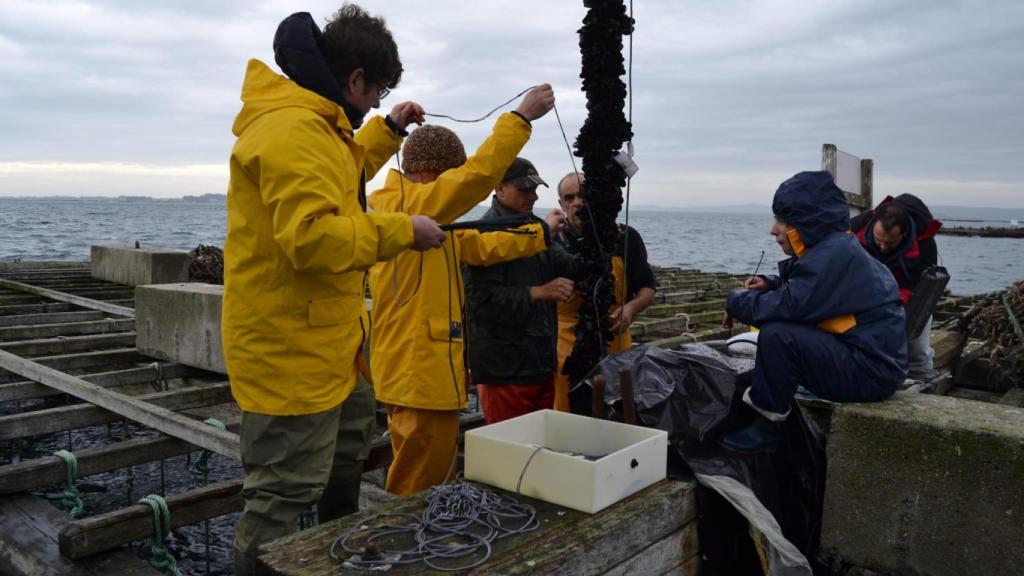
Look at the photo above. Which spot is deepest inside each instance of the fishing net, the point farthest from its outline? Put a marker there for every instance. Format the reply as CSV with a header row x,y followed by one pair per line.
x,y
997,319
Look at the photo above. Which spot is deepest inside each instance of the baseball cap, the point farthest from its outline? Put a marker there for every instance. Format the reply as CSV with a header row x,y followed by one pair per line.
x,y
523,174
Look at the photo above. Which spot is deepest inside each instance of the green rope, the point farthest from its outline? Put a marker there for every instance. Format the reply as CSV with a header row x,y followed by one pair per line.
x,y
201,467
71,499
161,559
1013,317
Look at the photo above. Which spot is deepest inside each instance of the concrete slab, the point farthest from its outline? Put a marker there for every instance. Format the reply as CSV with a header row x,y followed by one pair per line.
x,y
927,485
138,266
181,323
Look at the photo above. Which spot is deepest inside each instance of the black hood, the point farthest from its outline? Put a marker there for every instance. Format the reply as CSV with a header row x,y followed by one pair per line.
x,y
915,207
297,52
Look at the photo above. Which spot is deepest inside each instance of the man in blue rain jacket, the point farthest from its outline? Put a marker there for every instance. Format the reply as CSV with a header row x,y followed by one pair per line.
x,y
832,321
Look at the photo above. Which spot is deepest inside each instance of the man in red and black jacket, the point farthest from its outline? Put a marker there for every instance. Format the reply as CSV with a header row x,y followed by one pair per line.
x,y
900,233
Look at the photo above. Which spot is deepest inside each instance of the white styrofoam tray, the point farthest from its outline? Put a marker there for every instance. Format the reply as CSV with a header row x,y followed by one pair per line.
x,y
626,458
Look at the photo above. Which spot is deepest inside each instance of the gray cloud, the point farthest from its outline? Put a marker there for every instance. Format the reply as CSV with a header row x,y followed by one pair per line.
x,y
730,97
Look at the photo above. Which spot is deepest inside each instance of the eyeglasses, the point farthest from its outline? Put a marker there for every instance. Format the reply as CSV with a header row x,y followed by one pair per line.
x,y
383,93
570,197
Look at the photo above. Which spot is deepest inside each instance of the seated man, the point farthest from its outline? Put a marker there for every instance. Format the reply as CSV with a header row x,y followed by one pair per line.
x,y
637,285
900,233
511,308
416,346
832,321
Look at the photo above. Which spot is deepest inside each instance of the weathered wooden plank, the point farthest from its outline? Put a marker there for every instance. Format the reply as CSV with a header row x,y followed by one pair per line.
x,y
54,318
69,298
82,538
29,530
68,344
162,419
691,337
63,418
568,542
662,310
83,360
39,472
40,308
675,554
27,389
37,331
681,322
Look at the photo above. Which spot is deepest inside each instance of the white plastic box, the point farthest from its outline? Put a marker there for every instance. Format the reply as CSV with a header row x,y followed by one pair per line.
x,y
621,459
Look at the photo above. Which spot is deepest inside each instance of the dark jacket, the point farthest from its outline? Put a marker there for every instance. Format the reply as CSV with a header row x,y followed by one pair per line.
x,y
511,340
918,250
832,282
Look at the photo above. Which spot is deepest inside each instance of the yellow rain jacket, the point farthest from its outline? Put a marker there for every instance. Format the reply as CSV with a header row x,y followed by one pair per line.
x,y
416,347
298,245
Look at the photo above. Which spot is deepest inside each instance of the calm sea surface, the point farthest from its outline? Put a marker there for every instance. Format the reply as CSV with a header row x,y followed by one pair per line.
x,y
52,229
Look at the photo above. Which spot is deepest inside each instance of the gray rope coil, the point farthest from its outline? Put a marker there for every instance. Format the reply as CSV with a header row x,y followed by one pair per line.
x,y
460,522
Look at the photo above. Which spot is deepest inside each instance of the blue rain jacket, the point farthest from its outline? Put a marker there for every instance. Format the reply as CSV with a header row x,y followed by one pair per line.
x,y
832,282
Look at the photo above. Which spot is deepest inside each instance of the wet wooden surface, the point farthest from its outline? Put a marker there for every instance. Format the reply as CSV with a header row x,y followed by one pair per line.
x,y
655,527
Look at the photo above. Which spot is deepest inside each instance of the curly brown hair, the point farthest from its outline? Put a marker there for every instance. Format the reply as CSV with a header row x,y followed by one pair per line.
x,y
353,39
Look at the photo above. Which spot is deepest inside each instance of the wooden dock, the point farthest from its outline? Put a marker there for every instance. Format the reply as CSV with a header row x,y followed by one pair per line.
x,y
65,334
651,532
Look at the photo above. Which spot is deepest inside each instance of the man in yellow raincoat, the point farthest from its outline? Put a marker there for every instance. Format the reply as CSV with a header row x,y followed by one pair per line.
x,y
634,282
298,244
416,349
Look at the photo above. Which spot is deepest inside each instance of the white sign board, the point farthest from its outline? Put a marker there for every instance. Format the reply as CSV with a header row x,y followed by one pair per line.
x,y
848,176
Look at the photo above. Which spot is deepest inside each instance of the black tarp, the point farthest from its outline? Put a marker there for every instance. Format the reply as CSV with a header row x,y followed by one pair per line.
x,y
694,393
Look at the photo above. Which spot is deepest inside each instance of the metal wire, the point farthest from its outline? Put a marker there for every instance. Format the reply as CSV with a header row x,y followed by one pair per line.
x,y
485,116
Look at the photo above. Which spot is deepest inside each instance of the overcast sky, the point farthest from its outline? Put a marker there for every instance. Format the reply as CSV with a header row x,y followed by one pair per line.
x,y
730,96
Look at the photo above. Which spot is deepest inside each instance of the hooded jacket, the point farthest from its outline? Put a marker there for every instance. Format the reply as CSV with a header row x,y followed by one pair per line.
x,y
831,282
298,245
416,349
918,250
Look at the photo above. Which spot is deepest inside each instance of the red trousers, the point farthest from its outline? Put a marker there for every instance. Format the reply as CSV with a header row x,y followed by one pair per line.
x,y
504,401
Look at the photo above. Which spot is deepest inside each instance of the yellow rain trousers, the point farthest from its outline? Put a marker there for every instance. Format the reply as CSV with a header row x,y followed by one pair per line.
x,y
567,336
298,244
416,346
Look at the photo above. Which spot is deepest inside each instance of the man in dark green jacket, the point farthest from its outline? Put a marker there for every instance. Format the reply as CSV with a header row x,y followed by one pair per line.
x,y
511,311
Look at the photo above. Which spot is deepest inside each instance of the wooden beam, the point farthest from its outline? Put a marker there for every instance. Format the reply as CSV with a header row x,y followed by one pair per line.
x,y
37,331
27,390
52,318
567,542
80,360
41,308
162,419
69,298
68,344
89,536
50,420
46,470
29,533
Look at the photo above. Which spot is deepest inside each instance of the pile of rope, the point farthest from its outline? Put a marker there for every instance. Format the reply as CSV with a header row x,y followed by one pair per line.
x,y
998,319
453,533
206,264
602,135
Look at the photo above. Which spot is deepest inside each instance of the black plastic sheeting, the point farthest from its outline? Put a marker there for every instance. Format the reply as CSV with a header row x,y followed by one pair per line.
x,y
694,393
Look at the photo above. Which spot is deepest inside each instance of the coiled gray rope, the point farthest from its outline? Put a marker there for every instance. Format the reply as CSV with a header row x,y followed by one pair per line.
x,y
460,521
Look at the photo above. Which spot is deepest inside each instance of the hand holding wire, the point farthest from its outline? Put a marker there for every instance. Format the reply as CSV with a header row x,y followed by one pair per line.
x,y
426,233
537,102
405,113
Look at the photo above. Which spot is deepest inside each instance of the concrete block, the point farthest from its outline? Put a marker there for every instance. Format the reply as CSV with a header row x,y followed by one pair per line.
x,y
927,486
181,323
138,266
